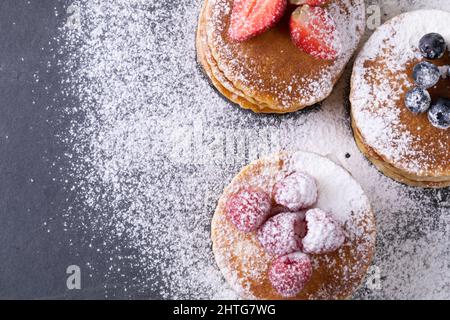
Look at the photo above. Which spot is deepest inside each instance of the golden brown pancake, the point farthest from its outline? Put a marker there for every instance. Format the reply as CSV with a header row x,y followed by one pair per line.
x,y
337,275
268,73
205,59
404,146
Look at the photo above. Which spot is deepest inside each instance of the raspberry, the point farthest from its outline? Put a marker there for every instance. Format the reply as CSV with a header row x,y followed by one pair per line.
x,y
282,234
324,234
289,274
296,191
248,209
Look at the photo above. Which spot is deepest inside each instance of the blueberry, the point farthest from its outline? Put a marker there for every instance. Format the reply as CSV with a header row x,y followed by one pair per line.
x,y
439,114
418,100
426,75
432,46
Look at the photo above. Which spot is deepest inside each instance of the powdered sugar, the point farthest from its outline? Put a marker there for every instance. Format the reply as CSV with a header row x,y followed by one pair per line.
x,y
248,209
281,234
304,87
289,274
376,94
320,25
153,145
427,74
249,19
323,235
444,71
296,191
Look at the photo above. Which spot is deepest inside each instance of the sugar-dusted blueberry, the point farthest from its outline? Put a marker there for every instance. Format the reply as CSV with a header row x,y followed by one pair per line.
x,y
418,100
432,46
439,113
426,74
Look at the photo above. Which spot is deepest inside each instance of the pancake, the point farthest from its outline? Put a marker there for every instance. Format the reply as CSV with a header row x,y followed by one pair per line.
x,y
336,275
268,73
404,146
204,57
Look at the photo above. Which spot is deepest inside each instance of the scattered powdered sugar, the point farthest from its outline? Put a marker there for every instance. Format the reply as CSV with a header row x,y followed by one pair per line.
x,y
152,146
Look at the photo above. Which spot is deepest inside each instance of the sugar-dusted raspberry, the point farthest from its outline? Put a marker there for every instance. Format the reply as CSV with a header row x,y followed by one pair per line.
x,y
296,191
315,32
324,234
248,209
282,234
289,274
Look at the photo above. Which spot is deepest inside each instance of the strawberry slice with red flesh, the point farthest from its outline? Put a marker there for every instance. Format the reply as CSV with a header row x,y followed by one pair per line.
x,y
309,2
250,18
314,31
290,274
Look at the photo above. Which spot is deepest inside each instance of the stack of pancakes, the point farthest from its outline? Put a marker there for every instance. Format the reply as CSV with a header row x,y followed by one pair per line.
x,y
336,275
403,145
268,73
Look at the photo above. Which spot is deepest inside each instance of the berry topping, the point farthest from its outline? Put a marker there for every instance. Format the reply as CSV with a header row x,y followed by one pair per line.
x,y
250,18
309,2
289,274
426,74
432,46
296,191
324,234
418,100
248,209
439,114
282,234
314,31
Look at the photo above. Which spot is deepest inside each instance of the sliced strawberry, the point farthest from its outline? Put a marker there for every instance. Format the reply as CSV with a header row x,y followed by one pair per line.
x,y
309,2
250,18
314,31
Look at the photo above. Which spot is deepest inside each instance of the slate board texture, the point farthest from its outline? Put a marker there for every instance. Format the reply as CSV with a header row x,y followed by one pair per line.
x,y
33,261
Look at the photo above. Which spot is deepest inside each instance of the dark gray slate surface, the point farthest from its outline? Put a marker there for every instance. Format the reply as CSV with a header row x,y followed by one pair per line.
x,y
33,261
